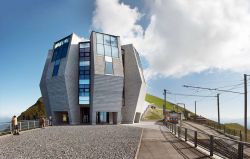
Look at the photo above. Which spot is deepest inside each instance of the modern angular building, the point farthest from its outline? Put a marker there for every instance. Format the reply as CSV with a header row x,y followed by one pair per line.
x,y
96,81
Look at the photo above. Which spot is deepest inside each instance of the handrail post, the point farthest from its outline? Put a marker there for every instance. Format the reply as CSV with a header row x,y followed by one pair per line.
x,y
185,134
20,129
240,136
240,150
28,125
179,131
175,129
195,139
211,145
34,124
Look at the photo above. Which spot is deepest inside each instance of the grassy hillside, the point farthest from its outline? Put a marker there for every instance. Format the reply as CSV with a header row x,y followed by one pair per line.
x,y
159,103
34,111
156,114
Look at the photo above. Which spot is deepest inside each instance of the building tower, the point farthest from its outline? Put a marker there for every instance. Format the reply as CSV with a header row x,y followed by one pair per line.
x,y
96,81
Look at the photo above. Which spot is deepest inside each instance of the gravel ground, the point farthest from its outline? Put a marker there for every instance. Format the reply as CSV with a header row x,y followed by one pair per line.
x,y
100,141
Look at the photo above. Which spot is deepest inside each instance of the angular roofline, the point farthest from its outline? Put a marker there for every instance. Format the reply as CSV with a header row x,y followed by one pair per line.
x,y
103,33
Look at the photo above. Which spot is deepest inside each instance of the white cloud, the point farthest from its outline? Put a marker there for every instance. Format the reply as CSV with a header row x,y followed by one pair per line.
x,y
183,36
117,18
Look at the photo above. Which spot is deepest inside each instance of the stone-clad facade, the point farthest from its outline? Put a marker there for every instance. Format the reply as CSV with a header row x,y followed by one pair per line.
x,y
96,81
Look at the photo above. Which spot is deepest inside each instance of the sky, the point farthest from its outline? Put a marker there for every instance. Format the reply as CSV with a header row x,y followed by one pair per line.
x,y
201,43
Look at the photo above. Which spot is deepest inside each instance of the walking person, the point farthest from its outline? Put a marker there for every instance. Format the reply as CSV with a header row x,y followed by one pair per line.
x,y
43,122
15,126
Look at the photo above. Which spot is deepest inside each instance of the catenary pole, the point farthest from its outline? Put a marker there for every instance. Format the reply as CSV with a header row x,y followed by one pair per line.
x,y
245,105
164,105
218,105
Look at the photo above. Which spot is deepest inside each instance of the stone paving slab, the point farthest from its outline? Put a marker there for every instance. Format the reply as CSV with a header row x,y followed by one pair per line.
x,y
161,144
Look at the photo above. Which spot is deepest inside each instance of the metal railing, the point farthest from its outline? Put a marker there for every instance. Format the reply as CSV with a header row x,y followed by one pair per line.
x,y
6,128
221,146
224,129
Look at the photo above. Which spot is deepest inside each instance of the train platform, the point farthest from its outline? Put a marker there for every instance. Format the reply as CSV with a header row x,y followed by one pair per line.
x,y
158,143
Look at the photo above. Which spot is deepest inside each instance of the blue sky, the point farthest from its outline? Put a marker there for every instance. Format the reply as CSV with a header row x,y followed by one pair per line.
x,y
178,46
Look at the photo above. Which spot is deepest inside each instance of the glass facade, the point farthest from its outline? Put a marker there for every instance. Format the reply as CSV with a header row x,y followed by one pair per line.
x,y
84,73
107,45
102,117
60,51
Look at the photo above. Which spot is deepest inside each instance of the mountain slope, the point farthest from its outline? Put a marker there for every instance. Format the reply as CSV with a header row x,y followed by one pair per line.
x,y
34,111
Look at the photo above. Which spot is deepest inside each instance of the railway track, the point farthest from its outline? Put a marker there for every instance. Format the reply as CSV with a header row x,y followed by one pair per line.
x,y
222,146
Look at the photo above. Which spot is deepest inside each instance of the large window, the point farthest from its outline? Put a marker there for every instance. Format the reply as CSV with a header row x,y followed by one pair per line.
x,y
84,73
60,51
108,68
107,45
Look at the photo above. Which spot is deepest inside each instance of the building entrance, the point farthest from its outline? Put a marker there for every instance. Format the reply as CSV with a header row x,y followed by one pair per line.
x,y
85,115
106,117
61,117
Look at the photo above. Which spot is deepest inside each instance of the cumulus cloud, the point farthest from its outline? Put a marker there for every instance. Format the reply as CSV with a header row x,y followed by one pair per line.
x,y
183,36
117,18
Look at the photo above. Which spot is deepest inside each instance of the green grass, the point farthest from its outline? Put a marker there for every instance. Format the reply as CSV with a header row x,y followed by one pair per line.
x,y
153,114
159,103
156,114
235,126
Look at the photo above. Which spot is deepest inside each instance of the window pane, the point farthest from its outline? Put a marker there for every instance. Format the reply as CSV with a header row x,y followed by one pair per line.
x,y
107,50
84,63
86,72
84,45
113,41
84,86
106,40
100,49
86,90
83,98
108,68
86,54
81,54
57,62
64,50
83,102
115,52
84,81
84,68
87,49
55,70
84,77
99,38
